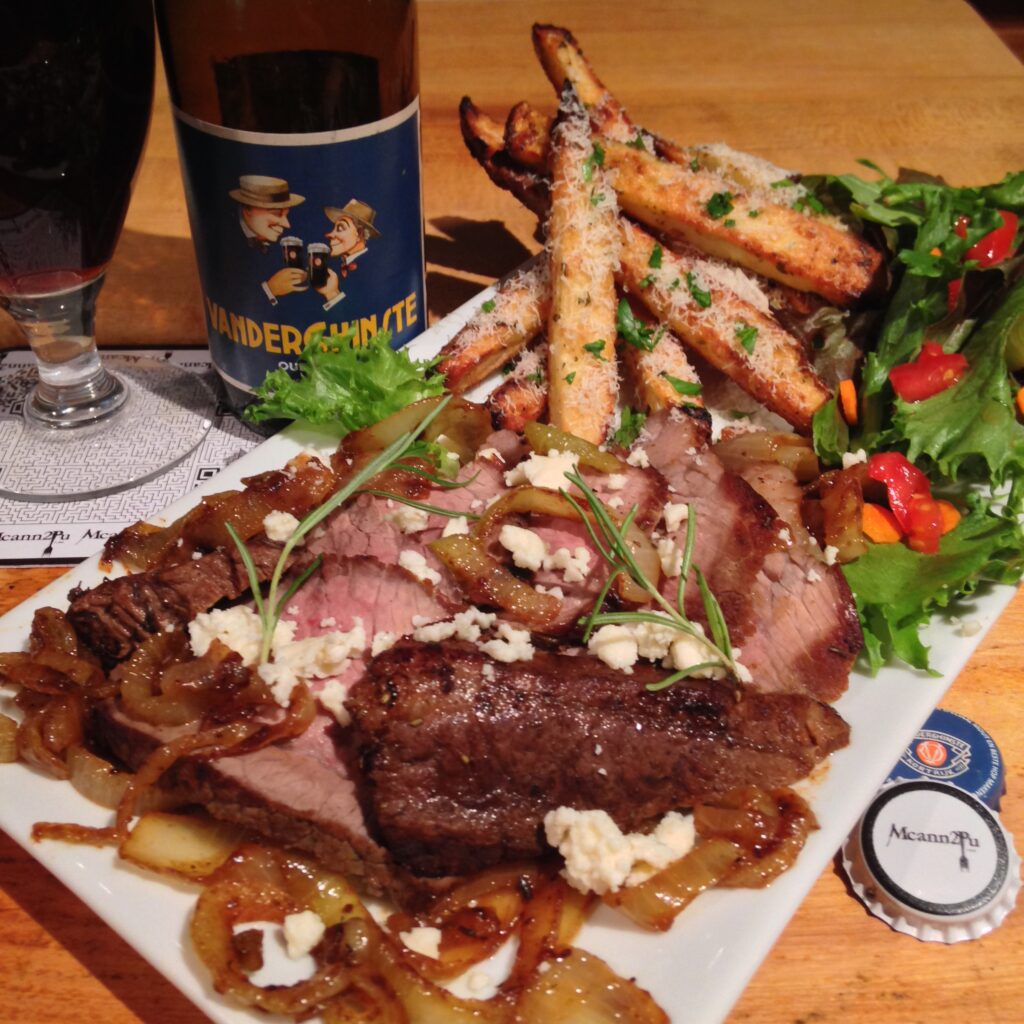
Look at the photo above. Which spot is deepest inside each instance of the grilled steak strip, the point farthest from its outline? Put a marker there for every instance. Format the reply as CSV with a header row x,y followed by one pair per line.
x,y
464,755
112,619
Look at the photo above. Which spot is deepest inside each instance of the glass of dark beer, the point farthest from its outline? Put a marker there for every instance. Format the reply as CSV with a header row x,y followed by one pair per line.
x,y
76,87
317,254
292,250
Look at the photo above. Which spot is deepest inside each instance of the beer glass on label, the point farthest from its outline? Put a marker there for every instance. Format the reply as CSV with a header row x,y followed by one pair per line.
x,y
76,87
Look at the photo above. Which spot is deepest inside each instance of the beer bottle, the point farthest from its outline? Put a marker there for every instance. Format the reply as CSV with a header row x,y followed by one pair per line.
x,y
298,132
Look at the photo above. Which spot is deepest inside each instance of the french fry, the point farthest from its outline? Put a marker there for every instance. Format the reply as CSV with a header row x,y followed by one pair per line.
x,y
805,252
500,329
735,336
484,138
528,137
523,395
583,239
662,378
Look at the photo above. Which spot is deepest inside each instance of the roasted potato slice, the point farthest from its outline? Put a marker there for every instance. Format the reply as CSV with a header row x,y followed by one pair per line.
x,y
523,395
734,335
583,239
804,251
500,330
528,137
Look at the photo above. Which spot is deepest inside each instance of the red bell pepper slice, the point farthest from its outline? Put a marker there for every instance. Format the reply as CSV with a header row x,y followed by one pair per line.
x,y
994,247
925,524
903,482
931,372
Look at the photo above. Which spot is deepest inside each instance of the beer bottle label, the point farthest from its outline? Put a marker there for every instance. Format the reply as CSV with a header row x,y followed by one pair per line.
x,y
301,233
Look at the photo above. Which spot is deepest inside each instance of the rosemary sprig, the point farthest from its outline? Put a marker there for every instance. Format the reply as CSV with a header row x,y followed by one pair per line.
x,y
269,608
432,509
610,539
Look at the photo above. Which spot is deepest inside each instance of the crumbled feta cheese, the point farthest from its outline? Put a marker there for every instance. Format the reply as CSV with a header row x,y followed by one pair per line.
x,y
638,457
196,555
785,536
316,657
490,453
969,627
407,518
671,557
676,513
598,749
382,641
279,526
528,548
332,699
478,981
813,576
425,941
511,645
238,628
687,651
302,932
615,502
414,562
329,623
853,458
476,503
458,525
553,591
465,625
615,481
615,646
487,671
573,564
831,554
599,858
543,470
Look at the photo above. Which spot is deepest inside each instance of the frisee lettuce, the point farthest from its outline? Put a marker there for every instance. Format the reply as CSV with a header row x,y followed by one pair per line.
x,y
345,385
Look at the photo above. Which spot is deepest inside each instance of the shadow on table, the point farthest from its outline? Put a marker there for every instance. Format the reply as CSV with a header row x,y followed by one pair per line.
x,y
102,953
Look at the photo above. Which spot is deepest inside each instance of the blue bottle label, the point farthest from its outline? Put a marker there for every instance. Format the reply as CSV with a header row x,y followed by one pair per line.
x,y
299,234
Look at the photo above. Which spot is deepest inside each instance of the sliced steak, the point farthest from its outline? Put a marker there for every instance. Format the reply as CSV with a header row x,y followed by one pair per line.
x,y
464,756
113,618
793,617
300,794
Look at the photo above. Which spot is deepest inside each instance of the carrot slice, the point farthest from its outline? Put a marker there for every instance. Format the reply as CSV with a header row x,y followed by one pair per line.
x,y
950,514
848,401
1020,401
879,524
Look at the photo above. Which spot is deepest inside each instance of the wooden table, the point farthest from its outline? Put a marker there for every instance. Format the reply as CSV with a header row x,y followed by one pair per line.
x,y
810,85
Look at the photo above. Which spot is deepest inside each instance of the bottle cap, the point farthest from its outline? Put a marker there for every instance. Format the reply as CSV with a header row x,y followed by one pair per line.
x,y
951,748
933,862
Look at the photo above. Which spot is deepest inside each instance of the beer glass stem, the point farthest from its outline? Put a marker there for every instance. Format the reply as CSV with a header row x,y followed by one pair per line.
x,y
74,389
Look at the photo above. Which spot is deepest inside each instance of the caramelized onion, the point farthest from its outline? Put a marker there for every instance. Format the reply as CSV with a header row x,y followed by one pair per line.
x,y
8,740
839,525
487,581
544,438
95,778
790,450
47,732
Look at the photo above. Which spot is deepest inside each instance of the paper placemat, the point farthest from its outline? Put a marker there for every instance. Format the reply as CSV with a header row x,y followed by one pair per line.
x,y
63,533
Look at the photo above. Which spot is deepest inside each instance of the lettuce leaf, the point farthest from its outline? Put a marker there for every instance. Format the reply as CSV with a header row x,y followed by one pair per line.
x,y
346,385
898,589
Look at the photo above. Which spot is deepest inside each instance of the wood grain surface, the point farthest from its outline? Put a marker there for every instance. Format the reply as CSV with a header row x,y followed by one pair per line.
x,y
810,85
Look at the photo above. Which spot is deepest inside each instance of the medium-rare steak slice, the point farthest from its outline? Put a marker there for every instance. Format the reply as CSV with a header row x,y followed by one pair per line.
x,y
113,618
464,755
793,617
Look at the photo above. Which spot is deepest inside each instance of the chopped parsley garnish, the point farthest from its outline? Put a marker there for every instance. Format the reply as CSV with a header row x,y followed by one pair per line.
x,y
694,164
747,335
508,368
570,377
729,222
675,284
488,306
596,198
633,330
631,422
753,213
783,183
638,141
700,296
654,260
646,282
595,348
810,202
536,377
596,159
719,205
683,387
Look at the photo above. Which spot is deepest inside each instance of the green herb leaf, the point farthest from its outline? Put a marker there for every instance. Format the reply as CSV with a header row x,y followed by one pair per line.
x,y
632,329
654,260
488,306
646,282
694,164
595,348
637,142
753,213
570,377
747,335
682,387
631,422
346,385
719,205
700,296
596,159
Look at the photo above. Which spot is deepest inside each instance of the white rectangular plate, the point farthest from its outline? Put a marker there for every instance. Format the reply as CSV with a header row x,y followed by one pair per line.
x,y
696,971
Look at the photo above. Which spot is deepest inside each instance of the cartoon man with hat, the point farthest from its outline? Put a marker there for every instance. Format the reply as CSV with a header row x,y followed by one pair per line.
x,y
351,226
264,203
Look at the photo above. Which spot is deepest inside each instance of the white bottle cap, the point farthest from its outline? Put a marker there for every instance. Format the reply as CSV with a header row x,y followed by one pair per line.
x,y
933,862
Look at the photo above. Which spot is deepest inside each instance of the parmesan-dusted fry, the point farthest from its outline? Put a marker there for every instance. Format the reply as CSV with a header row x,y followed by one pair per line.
x,y
662,378
732,334
563,61
584,242
804,251
528,136
484,138
500,330
523,395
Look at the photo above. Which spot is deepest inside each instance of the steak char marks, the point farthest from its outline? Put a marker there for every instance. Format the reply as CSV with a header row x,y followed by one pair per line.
x,y
464,755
